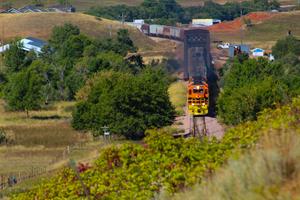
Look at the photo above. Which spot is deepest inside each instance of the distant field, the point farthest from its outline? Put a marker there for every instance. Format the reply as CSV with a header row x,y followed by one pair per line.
x,y
265,33
40,25
39,141
82,5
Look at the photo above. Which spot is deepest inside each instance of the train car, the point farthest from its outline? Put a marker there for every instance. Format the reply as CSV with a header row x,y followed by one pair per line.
x,y
156,30
176,33
166,32
198,98
145,29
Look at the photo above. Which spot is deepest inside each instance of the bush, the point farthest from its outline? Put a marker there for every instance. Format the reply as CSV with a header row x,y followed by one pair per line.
x,y
253,85
285,46
2,136
139,171
127,104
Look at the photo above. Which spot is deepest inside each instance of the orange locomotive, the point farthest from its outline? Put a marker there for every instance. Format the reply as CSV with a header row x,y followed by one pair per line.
x,y
198,98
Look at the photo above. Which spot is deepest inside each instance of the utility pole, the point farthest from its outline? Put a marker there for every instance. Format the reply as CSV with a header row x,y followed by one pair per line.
x,y
123,17
110,30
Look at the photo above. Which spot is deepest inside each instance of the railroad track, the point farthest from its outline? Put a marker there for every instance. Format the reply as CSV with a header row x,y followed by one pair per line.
x,y
199,128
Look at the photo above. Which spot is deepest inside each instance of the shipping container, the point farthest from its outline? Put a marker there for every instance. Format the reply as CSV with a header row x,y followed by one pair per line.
x,y
166,31
175,32
145,29
156,29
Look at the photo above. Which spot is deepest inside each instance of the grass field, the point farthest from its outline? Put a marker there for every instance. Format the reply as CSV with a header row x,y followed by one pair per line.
x,y
266,33
40,25
44,136
177,92
40,140
83,5
37,140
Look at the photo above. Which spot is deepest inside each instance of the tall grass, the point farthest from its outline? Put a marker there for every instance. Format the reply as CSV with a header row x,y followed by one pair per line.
x,y
271,171
177,92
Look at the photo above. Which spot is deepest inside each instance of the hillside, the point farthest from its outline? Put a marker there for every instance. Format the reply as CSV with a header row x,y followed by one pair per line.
x,y
40,25
85,4
268,171
266,30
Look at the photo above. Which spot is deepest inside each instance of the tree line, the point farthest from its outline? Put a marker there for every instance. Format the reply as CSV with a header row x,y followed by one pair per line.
x,y
112,89
251,85
169,12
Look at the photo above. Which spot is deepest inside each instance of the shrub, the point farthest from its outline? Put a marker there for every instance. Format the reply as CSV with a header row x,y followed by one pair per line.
x,y
127,104
2,136
134,171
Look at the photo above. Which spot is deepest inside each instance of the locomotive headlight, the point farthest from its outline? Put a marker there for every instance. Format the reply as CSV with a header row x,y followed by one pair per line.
x,y
193,104
198,87
203,104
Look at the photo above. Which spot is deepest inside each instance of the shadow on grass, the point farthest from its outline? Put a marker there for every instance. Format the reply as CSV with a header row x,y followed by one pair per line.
x,y
46,117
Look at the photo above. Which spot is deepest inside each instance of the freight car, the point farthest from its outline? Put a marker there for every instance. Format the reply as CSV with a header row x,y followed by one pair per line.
x,y
197,61
163,31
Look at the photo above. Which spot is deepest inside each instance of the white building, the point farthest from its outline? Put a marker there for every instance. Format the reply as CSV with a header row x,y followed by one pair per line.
x,y
28,44
205,22
258,52
4,48
34,44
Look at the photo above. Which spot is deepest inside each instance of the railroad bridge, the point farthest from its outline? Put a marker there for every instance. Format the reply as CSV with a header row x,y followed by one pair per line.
x,y
196,43
197,57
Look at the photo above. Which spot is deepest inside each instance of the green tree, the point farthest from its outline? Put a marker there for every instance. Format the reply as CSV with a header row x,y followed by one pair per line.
x,y
37,2
23,91
125,43
290,44
60,34
14,57
253,85
74,46
64,2
127,104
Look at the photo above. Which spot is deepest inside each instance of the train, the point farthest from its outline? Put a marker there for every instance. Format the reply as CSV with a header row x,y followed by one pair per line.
x,y
170,32
198,98
198,60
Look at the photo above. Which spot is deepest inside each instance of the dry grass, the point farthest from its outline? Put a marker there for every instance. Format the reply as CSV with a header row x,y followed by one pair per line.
x,y
40,25
271,171
37,140
177,92
264,34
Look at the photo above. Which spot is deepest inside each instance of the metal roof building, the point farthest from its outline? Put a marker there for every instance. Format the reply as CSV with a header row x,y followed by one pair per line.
x,y
28,44
243,47
34,44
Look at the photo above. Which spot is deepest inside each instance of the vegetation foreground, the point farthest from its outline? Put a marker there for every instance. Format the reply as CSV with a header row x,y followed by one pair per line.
x,y
134,171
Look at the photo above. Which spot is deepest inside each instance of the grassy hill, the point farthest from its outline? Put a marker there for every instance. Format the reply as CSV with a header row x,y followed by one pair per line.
x,y
40,25
263,33
268,170
85,4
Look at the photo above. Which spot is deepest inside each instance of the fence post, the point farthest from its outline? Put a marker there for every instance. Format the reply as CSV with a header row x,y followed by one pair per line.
x,y
19,178
68,149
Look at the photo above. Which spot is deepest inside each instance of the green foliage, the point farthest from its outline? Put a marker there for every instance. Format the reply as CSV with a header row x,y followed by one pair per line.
x,y
23,91
134,171
161,11
250,86
2,136
71,58
127,104
266,170
14,57
288,45
169,12
60,34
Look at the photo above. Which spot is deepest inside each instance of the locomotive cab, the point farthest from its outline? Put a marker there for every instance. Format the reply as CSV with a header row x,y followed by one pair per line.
x,y
198,99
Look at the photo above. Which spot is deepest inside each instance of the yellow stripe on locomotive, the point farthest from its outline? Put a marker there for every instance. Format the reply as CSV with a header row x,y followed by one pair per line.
x,y
198,99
